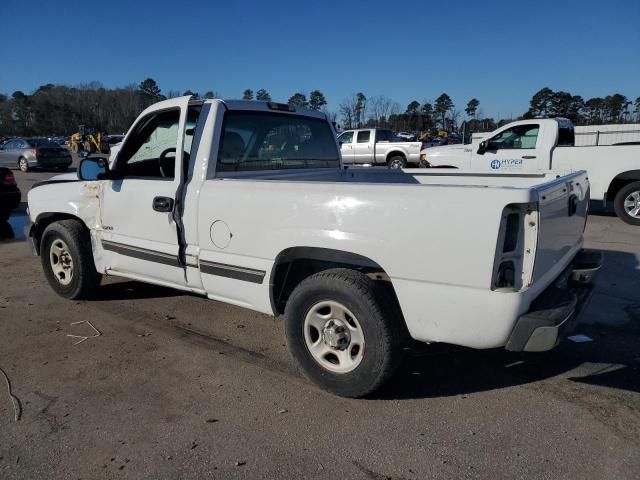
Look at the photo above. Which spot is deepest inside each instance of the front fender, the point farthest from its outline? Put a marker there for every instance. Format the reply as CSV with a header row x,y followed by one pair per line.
x,y
64,199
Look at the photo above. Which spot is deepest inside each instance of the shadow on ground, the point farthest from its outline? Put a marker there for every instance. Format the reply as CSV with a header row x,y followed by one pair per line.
x,y
131,290
433,373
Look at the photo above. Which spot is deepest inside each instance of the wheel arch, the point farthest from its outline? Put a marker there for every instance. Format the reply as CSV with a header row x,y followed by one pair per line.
x,y
294,264
395,153
620,181
44,220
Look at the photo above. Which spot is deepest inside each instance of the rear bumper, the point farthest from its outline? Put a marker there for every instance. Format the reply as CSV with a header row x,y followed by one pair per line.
x,y
554,313
50,162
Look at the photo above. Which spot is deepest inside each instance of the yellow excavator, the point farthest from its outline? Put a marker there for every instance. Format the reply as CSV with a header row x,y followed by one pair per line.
x,y
86,139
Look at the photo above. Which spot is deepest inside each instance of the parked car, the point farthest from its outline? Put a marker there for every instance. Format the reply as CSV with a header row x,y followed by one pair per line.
x,y
257,210
406,136
28,153
549,144
378,146
9,193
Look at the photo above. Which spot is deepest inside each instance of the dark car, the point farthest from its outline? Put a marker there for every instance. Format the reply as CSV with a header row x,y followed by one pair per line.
x,y
28,153
9,193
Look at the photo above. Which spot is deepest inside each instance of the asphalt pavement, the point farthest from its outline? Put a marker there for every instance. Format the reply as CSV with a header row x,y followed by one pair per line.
x,y
172,385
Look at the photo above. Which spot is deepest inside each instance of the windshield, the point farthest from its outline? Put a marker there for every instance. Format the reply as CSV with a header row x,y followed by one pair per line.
x,y
268,141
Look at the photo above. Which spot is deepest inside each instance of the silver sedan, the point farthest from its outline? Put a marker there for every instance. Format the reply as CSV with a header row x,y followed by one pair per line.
x,y
28,153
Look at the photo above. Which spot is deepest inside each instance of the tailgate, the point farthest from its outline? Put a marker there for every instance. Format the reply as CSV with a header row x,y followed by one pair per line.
x,y
563,208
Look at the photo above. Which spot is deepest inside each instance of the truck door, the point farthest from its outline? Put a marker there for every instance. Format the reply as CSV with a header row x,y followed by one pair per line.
x,y
139,232
516,148
346,149
363,147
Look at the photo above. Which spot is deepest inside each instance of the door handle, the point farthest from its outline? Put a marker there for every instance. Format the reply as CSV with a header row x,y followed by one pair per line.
x,y
526,157
163,204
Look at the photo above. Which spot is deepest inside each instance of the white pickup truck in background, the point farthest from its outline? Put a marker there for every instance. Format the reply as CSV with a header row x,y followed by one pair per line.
x,y
378,146
545,145
257,210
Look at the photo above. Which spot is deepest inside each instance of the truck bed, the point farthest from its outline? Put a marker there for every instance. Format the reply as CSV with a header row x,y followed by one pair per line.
x,y
423,176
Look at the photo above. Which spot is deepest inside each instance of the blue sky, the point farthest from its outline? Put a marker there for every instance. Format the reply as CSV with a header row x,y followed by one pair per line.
x,y
500,52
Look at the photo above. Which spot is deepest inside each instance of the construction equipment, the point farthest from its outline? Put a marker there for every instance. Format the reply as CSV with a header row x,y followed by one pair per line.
x,y
86,139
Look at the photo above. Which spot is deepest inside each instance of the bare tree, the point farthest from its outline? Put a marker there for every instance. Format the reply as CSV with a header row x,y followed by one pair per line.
x,y
349,111
379,109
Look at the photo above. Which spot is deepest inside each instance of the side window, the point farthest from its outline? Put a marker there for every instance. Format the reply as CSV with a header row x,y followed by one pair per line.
x,y
346,137
10,145
520,137
151,150
364,136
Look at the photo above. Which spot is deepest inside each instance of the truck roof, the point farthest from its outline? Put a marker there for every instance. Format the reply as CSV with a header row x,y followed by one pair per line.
x,y
249,105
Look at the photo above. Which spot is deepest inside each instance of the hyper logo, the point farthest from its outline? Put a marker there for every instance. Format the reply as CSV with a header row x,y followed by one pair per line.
x,y
506,163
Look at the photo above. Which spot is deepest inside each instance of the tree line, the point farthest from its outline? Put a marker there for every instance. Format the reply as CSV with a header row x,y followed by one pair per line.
x,y
60,109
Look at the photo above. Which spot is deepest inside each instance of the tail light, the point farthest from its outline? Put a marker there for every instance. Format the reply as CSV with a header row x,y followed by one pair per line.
x,y
34,152
515,248
9,179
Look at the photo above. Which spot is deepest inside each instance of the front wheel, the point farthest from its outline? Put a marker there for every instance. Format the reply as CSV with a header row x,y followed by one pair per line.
x,y
627,204
397,162
67,260
342,332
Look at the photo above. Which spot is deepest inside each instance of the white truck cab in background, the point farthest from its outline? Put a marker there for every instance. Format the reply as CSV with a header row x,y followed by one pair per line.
x,y
549,144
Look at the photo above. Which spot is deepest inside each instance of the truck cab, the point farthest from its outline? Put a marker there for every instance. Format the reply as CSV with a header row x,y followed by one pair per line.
x,y
549,144
523,145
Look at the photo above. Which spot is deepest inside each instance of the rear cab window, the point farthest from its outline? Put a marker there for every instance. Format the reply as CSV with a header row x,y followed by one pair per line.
x,y
384,135
254,141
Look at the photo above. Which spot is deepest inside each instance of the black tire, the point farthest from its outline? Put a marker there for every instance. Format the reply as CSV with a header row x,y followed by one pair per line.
x,y
397,161
618,203
84,279
377,316
23,165
105,148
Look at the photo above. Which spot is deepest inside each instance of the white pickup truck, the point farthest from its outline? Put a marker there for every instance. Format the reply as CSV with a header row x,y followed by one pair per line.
x,y
378,146
258,211
548,144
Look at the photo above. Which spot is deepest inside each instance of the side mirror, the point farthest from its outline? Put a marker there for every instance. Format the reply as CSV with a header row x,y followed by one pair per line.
x,y
482,148
92,169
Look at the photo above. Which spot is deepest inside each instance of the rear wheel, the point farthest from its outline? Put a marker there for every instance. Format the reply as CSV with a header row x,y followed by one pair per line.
x,y
67,260
23,165
342,332
104,148
627,203
397,161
